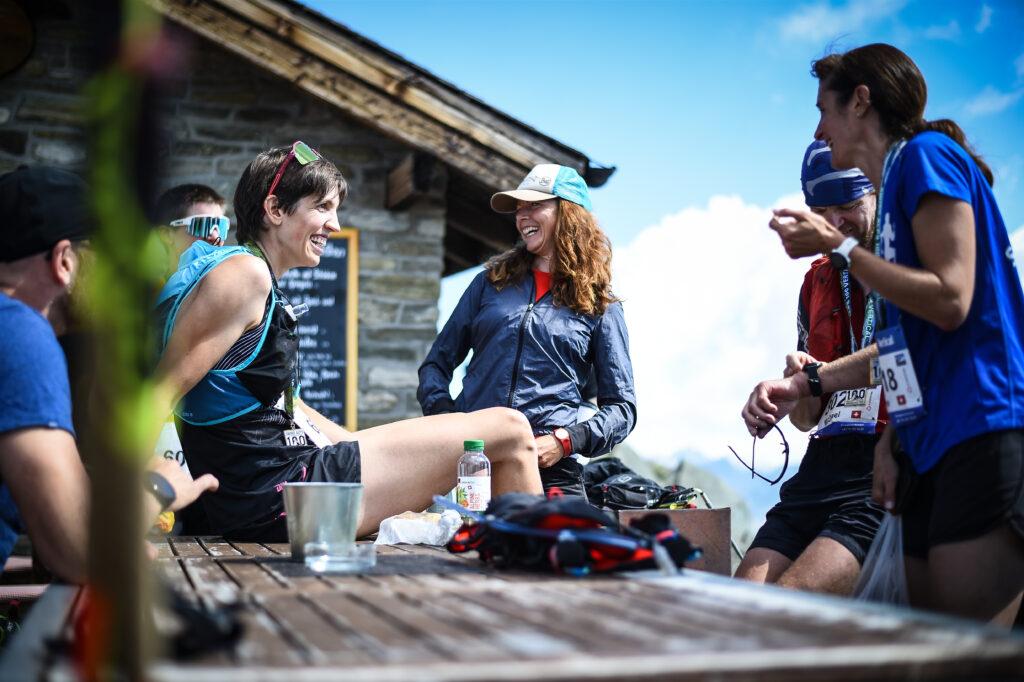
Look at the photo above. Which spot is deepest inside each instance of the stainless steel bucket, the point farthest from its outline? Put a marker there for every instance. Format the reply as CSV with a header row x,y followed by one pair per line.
x,y
321,512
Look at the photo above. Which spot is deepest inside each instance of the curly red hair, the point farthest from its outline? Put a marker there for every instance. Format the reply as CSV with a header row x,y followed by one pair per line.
x,y
581,267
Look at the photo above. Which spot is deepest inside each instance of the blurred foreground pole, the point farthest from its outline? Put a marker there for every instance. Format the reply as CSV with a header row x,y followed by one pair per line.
x,y
116,640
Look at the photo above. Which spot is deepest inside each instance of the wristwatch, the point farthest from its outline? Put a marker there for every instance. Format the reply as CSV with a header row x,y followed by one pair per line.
x,y
161,489
813,380
562,436
840,256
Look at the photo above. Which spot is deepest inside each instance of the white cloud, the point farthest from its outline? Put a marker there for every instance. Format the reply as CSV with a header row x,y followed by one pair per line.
x,y
1017,243
991,101
822,21
710,300
950,31
984,20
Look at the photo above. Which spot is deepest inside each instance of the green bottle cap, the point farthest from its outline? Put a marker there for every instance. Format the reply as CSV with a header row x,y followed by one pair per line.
x,y
473,445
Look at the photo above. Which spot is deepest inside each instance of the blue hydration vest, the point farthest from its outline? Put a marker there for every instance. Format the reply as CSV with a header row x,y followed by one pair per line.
x,y
221,395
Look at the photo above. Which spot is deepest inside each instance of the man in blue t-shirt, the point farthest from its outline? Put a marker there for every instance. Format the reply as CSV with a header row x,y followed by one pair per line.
x,y
42,237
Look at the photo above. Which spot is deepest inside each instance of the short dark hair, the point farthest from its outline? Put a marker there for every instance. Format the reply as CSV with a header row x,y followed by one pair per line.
x,y
317,179
174,203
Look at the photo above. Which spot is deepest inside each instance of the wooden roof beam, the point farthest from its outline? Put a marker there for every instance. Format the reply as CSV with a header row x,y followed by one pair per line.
x,y
490,242
412,85
354,97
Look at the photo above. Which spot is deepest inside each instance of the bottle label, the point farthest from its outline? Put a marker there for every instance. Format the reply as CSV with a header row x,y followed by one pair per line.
x,y
473,492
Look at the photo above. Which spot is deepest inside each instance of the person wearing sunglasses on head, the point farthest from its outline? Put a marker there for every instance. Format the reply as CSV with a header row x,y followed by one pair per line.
x,y
818,534
542,321
230,369
949,349
190,214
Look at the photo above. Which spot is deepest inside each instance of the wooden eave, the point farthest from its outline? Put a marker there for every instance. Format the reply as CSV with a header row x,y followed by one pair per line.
x,y
376,87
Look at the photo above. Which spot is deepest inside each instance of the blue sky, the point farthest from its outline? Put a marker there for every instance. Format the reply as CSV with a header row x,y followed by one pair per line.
x,y
706,109
693,99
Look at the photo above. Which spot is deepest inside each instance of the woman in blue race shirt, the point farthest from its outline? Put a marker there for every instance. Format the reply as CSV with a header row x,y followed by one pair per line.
x,y
950,347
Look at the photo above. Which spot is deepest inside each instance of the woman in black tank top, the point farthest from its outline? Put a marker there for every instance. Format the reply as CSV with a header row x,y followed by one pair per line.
x,y
286,211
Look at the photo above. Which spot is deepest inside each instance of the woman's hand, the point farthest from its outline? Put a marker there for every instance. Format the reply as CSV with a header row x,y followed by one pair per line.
x,y
806,234
885,472
549,451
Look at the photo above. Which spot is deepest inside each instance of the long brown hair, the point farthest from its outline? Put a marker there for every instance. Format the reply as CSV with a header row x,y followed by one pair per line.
x,y
898,92
581,267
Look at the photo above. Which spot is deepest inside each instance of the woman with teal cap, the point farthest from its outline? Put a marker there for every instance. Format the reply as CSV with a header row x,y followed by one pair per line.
x,y
545,330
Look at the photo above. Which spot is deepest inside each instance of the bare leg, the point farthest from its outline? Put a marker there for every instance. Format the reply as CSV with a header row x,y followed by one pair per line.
x,y
762,565
981,578
406,463
825,566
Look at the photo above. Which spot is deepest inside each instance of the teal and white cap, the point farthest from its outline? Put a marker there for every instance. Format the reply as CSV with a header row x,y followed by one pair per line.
x,y
546,181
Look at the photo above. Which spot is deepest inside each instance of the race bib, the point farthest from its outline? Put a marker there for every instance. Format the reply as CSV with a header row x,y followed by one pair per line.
x,y
902,391
293,437
851,411
311,434
169,447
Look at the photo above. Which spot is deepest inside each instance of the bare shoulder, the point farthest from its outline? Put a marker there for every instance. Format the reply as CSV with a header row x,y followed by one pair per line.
x,y
242,275
237,288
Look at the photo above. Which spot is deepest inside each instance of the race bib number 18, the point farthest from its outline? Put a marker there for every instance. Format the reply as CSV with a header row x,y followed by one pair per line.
x,y
902,391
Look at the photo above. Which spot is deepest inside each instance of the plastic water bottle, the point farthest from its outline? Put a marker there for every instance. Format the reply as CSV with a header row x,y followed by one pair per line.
x,y
474,487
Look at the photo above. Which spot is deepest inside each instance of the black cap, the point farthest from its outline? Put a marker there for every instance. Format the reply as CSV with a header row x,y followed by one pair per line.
x,y
39,207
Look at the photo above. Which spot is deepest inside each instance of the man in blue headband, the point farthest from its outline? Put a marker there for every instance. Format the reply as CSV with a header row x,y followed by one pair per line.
x,y
816,537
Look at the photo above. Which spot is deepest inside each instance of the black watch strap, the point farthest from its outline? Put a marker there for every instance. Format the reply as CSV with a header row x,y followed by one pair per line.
x,y
161,489
813,380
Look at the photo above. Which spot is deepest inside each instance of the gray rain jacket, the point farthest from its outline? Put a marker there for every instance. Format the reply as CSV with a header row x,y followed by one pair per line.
x,y
535,358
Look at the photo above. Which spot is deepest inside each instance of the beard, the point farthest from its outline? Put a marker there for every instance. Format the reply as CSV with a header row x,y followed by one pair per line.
x,y
61,314
66,312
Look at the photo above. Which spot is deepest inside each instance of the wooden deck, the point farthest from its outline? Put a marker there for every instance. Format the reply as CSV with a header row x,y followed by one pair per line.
x,y
423,614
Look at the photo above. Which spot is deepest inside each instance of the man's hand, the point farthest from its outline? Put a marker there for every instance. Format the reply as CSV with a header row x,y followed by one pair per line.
x,y
549,451
795,363
186,490
770,402
885,472
804,233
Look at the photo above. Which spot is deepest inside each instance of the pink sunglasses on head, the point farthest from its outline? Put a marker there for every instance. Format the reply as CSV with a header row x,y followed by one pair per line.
x,y
302,153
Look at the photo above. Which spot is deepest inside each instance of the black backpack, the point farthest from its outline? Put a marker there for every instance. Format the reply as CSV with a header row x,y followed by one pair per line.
x,y
567,535
610,483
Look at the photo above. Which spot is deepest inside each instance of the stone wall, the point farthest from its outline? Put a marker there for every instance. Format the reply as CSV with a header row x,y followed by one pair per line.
x,y
217,118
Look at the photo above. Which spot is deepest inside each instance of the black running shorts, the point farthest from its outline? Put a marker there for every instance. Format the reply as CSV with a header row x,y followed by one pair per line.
x,y
251,459
977,486
830,496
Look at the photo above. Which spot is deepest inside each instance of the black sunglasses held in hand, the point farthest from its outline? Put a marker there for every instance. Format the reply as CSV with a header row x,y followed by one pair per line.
x,y
753,451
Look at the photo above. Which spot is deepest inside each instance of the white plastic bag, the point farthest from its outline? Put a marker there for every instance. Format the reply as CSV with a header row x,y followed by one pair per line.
x,y
419,528
882,577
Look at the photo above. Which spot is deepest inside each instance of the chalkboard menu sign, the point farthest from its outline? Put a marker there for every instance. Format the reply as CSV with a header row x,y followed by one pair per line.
x,y
327,333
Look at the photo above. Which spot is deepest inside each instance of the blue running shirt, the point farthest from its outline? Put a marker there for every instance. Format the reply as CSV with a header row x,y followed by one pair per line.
x,y
972,379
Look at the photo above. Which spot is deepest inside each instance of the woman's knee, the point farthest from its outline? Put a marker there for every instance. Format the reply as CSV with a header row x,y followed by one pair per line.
x,y
513,431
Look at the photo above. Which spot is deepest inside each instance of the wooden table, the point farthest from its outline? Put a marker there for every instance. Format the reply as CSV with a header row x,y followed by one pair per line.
x,y
423,614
